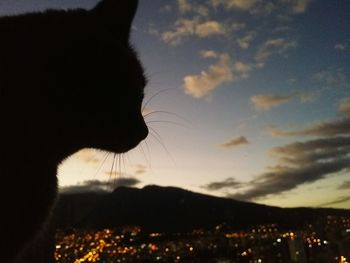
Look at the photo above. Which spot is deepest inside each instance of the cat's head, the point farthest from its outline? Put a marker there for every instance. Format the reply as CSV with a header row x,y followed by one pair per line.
x,y
85,75
105,80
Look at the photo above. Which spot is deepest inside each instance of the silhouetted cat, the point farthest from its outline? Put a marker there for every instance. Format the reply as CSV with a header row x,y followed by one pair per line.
x,y
68,80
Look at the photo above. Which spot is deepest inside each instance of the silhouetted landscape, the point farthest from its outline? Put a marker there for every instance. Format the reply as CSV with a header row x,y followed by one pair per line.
x,y
168,224
173,209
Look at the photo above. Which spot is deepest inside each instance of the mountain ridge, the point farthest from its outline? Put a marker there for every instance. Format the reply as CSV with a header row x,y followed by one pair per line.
x,y
171,209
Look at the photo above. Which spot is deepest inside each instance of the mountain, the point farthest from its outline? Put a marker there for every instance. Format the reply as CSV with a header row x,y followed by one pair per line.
x,y
172,209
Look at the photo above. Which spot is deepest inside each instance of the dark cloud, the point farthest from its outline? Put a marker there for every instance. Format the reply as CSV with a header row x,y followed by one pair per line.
x,y
235,142
99,186
340,126
140,169
266,102
228,183
340,200
300,163
344,186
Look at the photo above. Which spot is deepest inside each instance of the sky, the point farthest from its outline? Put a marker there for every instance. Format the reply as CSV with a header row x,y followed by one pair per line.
x,y
247,99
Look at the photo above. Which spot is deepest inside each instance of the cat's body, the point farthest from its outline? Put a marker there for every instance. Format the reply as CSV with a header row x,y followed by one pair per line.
x,y
68,80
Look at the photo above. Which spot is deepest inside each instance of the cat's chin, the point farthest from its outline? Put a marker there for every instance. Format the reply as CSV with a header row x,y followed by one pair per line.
x,y
123,144
118,148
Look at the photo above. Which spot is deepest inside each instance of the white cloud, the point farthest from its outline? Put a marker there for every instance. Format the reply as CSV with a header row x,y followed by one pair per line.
x,y
245,41
209,54
273,46
166,9
184,6
235,4
224,71
236,26
266,102
241,70
185,28
331,78
217,74
152,30
298,6
209,28
263,9
344,106
341,47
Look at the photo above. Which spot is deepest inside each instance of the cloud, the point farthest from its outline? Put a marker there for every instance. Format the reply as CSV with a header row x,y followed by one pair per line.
x,y
264,8
235,142
209,28
340,200
217,74
331,78
344,186
344,106
300,163
341,47
184,6
166,9
336,127
245,41
209,54
266,102
241,70
185,28
309,96
237,26
243,5
227,183
298,6
152,30
99,186
272,47
224,71
140,169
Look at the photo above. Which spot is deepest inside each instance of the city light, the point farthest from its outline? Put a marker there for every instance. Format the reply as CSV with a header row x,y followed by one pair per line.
x,y
323,241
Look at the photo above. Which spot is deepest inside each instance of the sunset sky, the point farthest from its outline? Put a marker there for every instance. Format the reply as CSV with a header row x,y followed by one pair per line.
x,y
253,99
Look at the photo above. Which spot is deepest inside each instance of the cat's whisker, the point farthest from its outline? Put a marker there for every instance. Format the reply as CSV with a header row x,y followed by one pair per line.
x,y
170,122
143,154
105,157
155,133
152,97
123,161
166,112
112,168
164,147
149,153
120,165
148,159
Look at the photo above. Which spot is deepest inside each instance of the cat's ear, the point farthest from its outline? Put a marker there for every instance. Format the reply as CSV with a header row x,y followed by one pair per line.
x,y
116,16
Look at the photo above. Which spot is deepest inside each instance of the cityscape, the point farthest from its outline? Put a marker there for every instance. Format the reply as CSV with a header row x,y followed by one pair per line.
x,y
326,240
